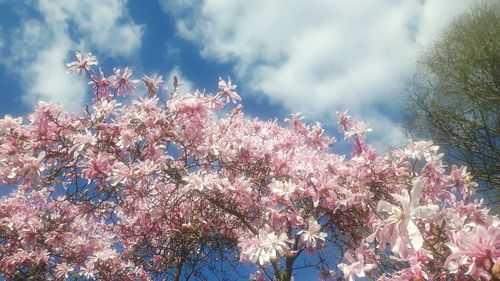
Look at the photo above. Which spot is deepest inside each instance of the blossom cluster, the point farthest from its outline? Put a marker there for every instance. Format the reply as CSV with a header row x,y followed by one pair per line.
x,y
154,186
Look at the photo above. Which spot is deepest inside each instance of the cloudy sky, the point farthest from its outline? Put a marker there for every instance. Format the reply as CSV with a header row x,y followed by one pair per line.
x,y
315,57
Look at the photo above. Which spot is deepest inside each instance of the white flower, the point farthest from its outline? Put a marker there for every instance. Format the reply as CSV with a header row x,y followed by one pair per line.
x,y
263,248
312,237
358,264
405,218
88,270
282,189
421,149
196,181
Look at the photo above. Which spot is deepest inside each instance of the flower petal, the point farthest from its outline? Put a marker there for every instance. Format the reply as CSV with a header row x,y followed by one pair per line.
x,y
417,241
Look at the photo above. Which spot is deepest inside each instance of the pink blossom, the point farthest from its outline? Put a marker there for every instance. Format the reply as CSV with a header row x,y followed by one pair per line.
x,y
124,83
152,83
97,164
317,138
62,271
461,179
297,124
352,127
227,89
422,149
103,84
187,178
88,270
8,123
82,64
263,248
358,264
478,249
312,237
282,190
402,221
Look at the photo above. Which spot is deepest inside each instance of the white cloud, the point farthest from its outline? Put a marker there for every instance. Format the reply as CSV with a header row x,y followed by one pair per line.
x,y
51,82
38,49
99,22
319,56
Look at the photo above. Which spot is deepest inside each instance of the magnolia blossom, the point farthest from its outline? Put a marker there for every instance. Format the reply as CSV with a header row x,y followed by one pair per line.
x,y
227,89
263,248
83,63
125,84
282,189
196,181
103,84
421,149
358,264
351,127
88,270
414,272
63,271
129,189
153,83
402,220
312,237
477,248
8,122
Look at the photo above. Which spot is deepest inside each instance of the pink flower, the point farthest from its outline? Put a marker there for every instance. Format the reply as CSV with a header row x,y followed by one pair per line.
x,y
359,266
124,84
461,179
421,149
263,248
83,63
88,270
228,90
297,124
352,127
153,83
102,84
477,248
30,167
96,164
312,237
121,173
316,136
282,189
8,123
62,271
401,223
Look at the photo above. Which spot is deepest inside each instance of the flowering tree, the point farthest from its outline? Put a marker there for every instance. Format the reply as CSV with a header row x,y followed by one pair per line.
x,y
169,188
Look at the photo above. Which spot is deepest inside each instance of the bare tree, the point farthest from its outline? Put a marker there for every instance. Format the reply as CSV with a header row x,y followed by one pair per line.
x,y
454,97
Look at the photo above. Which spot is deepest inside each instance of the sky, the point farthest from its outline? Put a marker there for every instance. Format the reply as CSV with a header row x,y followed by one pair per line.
x,y
316,57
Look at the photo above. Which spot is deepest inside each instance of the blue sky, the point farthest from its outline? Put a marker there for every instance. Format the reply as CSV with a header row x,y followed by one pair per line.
x,y
315,57
287,56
